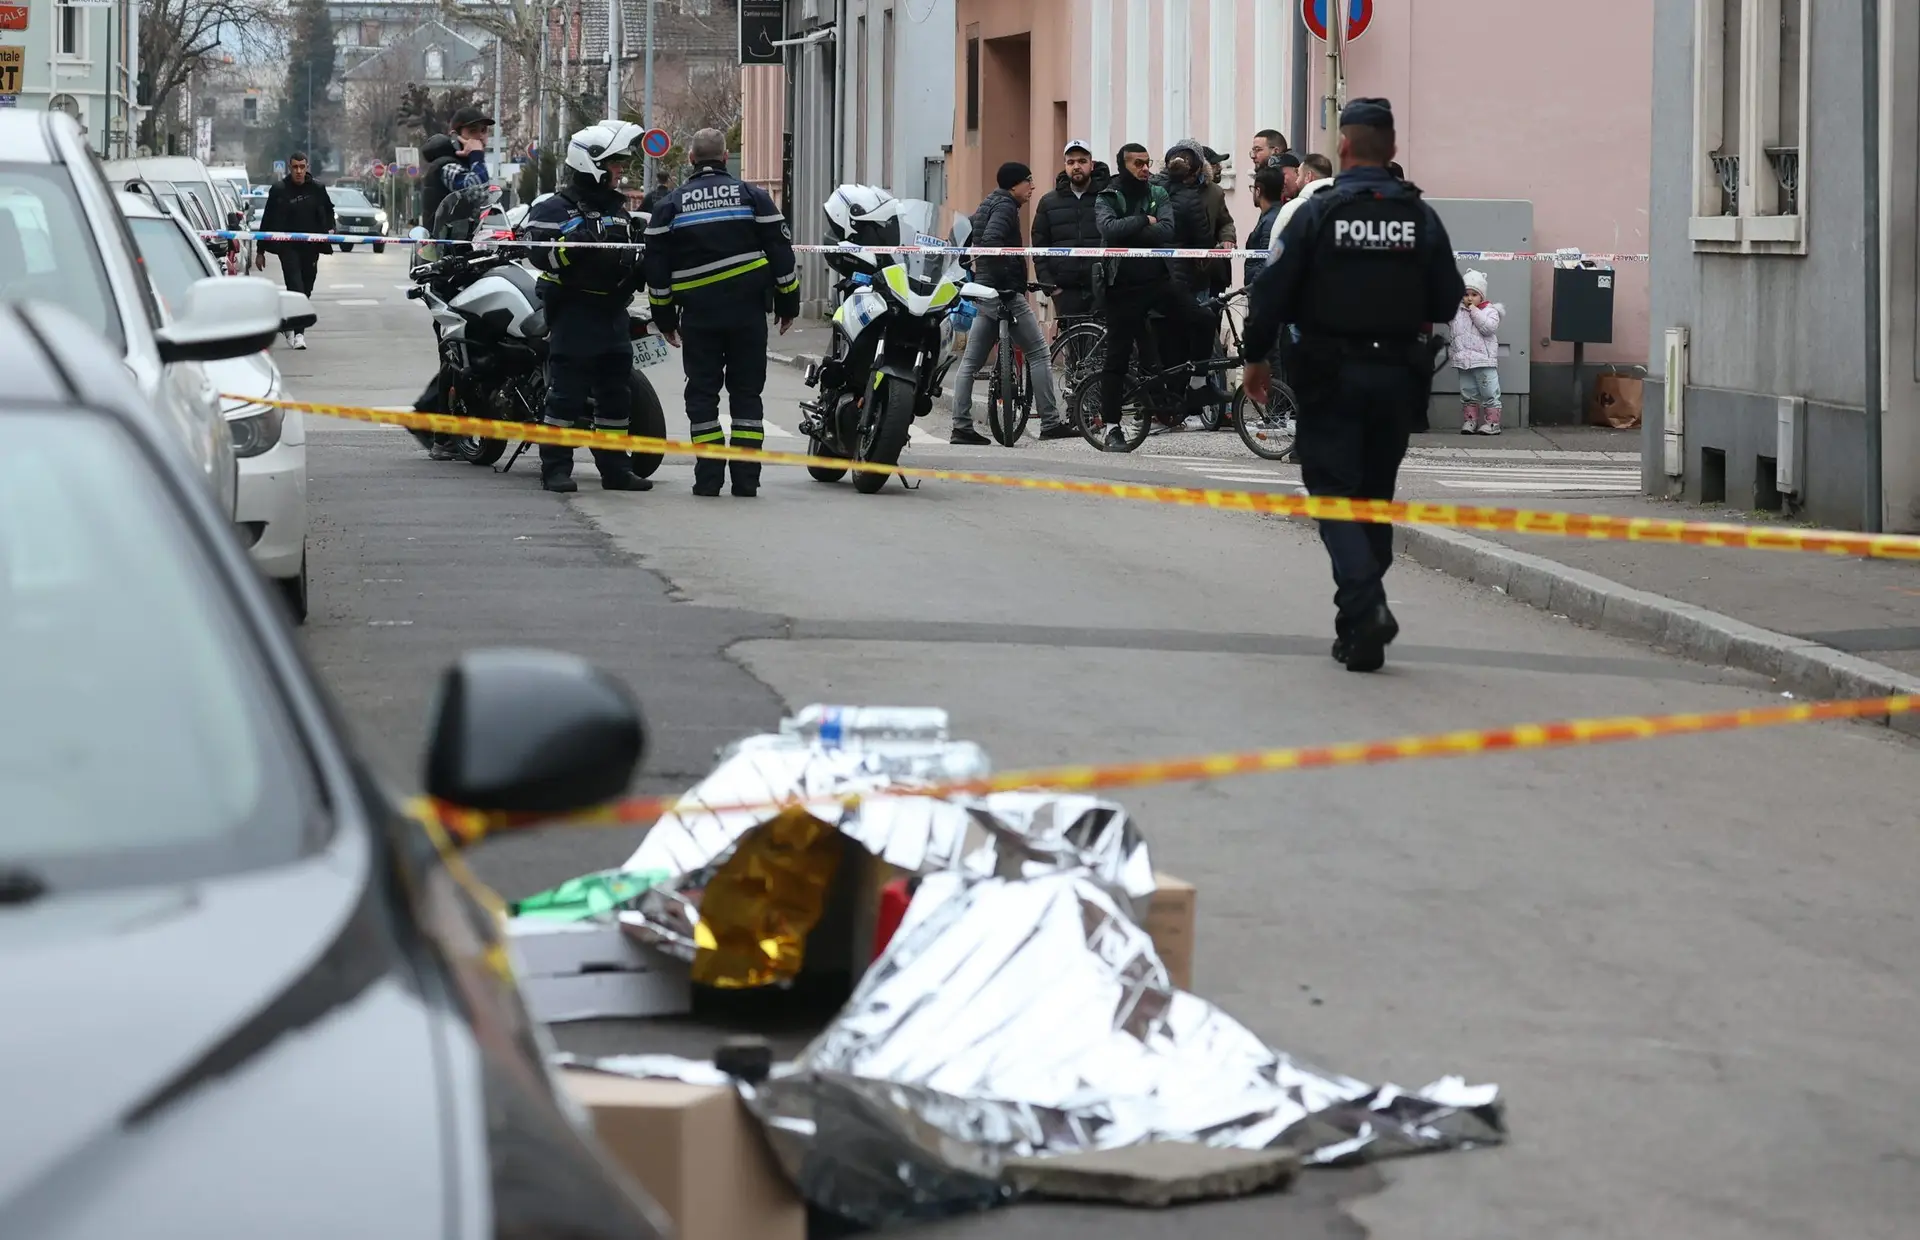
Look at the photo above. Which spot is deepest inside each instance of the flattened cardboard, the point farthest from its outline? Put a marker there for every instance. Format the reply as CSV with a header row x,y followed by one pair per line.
x,y
593,971
606,996
1170,925
697,1151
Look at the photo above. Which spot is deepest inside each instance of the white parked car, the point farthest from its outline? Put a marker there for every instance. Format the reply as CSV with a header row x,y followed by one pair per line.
x,y
63,240
270,444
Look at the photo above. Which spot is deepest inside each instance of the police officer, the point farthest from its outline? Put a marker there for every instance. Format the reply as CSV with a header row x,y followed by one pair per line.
x,y
1361,269
585,292
717,252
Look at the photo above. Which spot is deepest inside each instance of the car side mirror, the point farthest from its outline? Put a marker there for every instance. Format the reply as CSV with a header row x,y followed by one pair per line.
x,y
531,732
226,316
296,312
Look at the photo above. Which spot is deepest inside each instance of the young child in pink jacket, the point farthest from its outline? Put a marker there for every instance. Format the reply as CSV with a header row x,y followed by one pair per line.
x,y
1475,351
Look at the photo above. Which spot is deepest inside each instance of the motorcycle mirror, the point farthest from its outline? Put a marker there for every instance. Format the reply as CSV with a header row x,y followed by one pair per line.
x,y
417,233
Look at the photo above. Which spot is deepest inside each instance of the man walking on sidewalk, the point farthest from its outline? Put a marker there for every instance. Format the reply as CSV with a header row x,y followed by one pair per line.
x,y
297,204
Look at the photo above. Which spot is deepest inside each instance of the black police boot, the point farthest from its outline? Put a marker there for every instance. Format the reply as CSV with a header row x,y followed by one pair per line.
x,y
616,472
708,476
1372,634
556,469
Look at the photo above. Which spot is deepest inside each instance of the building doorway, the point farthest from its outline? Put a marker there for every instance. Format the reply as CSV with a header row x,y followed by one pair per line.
x,y
1006,97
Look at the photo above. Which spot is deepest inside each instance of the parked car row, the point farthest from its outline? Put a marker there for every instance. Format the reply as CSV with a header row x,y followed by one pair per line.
x,y
129,265
246,994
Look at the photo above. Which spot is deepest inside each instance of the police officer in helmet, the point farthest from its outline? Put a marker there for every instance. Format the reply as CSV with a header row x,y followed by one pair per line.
x,y
1362,270
719,257
585,292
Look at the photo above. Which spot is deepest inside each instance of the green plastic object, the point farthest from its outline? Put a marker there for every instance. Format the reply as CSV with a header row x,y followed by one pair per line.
x,y
590,895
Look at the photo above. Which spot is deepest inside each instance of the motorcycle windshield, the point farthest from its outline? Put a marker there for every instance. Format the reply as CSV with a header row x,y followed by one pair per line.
x,y
918,219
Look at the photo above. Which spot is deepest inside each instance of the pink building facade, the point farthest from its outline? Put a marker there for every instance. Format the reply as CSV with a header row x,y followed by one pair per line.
x,y
1551,105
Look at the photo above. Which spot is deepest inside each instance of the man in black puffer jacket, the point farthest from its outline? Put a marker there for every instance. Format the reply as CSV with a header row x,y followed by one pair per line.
x,y
997,224
1065,218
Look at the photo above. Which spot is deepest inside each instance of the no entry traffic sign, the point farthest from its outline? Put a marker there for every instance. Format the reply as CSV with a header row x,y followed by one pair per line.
x,y
656,143
1359,17
379,170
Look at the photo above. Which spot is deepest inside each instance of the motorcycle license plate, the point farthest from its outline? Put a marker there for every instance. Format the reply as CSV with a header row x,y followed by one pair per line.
x,y
649,351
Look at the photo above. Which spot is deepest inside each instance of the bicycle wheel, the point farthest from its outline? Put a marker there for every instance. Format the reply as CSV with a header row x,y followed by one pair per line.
x,y
1002,400
1076,356
1267,430
1022,389
1136,415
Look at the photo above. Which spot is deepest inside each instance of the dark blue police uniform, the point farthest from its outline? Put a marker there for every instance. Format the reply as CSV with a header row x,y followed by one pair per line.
x,y
1363,269
719,256
585,293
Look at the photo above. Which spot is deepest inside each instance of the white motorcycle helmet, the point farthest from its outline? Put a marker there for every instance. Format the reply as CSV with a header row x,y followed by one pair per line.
x,y
589,150
863,215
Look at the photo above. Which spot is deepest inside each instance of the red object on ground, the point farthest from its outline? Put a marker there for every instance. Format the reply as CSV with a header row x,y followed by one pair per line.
x,y
894,898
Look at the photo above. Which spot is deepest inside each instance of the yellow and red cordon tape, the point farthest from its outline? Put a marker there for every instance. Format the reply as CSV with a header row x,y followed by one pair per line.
x,y
1595,526
469,827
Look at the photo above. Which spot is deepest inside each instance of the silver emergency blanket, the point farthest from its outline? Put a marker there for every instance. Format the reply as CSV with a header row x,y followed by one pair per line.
x,y
1014,834
1032,1017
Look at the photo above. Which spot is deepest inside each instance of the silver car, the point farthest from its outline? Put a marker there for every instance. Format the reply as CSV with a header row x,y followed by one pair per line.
x,y
242,993
64,241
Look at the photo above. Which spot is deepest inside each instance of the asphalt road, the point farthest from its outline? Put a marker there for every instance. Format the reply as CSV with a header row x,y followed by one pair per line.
x,y
1690,964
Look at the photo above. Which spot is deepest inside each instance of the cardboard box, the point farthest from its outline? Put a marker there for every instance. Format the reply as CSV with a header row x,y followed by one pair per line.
x,y
587,970
1170,926
697,1151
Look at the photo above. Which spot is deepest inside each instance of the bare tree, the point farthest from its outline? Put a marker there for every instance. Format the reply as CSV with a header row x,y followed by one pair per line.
x,y
709,101
178,36
373,121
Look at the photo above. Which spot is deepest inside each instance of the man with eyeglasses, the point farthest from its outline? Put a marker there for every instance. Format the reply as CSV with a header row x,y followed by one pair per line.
x,y
1135,212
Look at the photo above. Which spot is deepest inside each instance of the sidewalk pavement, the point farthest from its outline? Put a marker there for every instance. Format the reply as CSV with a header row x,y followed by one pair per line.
x,y
1821,626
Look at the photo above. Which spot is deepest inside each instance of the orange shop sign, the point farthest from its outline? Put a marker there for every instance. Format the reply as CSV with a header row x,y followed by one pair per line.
x,y
13,17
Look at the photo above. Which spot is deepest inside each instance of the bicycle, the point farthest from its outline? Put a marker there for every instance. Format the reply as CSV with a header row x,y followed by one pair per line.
x,y
1079,348
1154,393
1009,387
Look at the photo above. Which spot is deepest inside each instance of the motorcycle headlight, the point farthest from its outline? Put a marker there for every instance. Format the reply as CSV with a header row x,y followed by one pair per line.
x,y
255,428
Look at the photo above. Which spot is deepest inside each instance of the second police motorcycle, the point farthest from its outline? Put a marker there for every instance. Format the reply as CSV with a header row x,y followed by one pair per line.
x,y
890,351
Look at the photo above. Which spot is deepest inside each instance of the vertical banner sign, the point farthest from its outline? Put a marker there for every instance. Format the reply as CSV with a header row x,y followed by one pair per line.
x,y
763,23
13,62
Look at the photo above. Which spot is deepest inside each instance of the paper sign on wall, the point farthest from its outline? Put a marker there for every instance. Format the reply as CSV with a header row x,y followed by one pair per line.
x,y
12,61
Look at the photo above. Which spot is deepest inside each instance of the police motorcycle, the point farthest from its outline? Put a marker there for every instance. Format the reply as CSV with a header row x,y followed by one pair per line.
x,y
492,337
888,358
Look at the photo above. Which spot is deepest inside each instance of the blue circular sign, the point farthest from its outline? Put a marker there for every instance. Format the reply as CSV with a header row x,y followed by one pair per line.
x,y
656,143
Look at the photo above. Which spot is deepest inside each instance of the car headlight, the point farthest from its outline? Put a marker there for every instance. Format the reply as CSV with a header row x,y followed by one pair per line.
x,y
255,428
380,218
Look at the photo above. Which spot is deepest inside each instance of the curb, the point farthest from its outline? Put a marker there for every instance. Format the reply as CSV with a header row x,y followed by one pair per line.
x,y
1804,668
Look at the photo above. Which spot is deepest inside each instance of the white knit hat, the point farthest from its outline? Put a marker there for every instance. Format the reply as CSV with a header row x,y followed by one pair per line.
x,y
1477,281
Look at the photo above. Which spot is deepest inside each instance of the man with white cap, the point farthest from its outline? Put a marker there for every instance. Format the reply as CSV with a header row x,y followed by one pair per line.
x,y
1064,218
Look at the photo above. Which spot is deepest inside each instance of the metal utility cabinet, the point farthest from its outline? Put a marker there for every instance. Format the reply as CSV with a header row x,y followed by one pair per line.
x,y
1504,225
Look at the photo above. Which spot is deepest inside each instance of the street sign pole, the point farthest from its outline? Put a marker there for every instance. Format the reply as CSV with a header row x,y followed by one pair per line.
x,y
646,105
1870,248
1330,107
